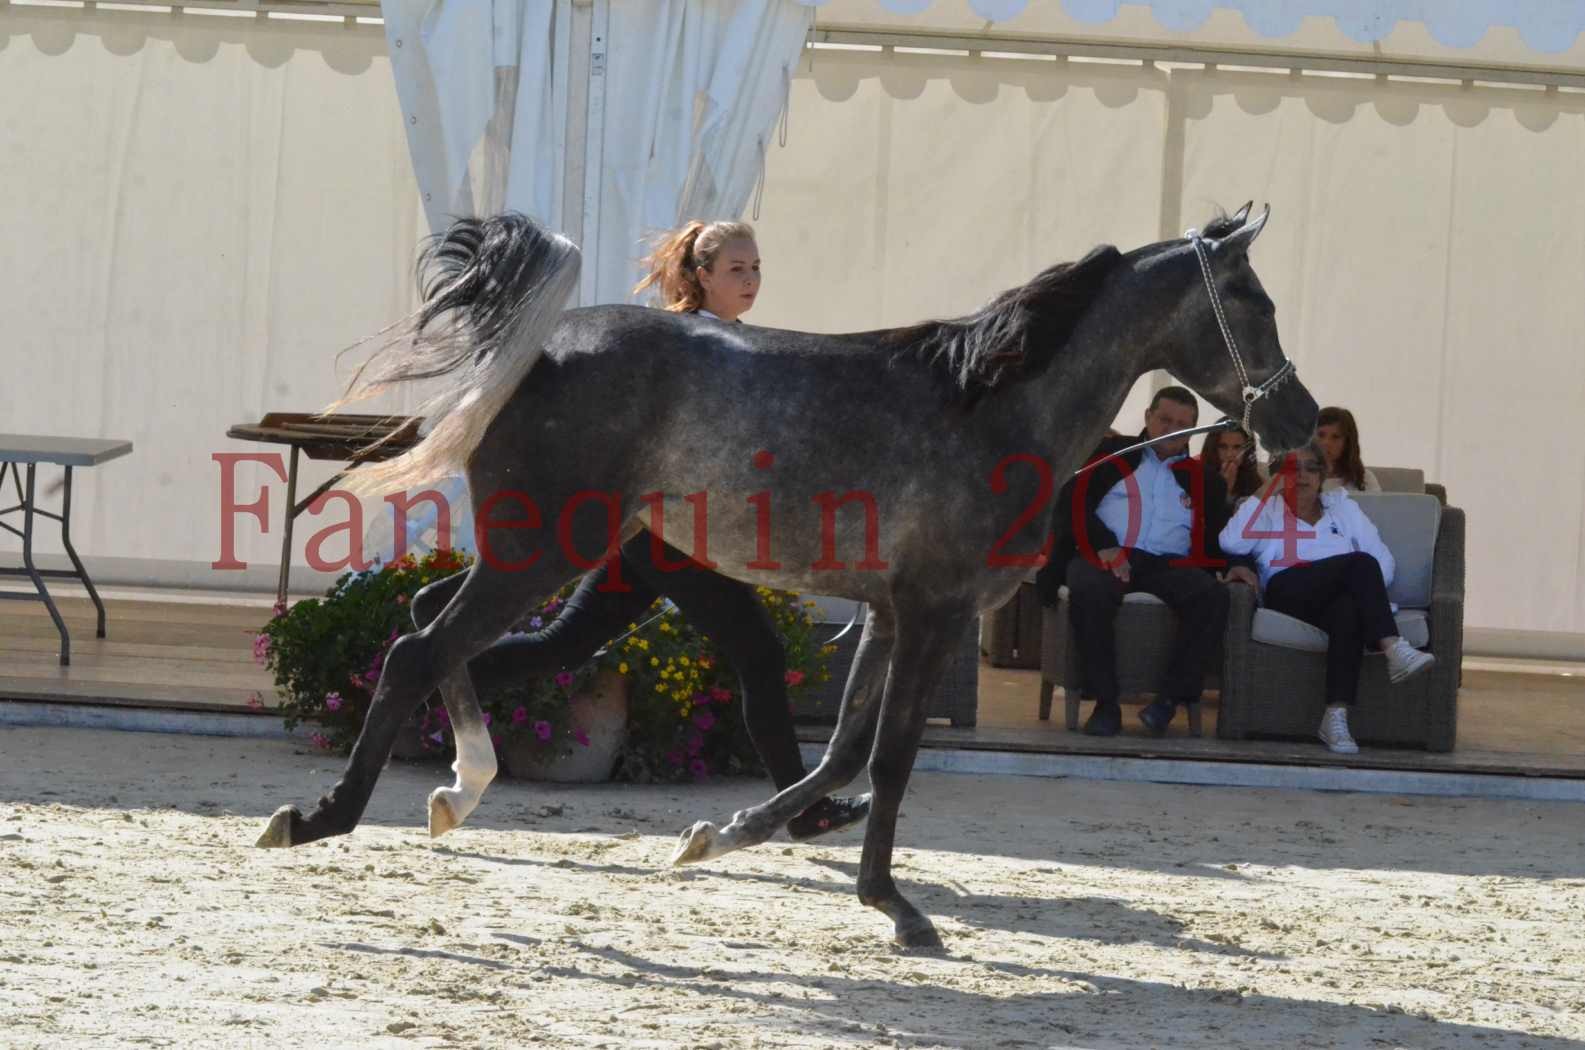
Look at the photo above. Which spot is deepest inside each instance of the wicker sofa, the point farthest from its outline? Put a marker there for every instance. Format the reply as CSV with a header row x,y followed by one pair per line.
x,y
1275,669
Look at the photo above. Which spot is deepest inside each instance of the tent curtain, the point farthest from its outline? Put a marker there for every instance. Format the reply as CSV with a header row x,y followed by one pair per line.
x,y
693,93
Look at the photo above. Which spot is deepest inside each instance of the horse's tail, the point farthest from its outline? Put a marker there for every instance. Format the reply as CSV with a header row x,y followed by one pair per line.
x,y
492,291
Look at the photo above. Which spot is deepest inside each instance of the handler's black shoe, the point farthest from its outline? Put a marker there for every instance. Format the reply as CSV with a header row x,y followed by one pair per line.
x,y
1157,715
1105,720
827,815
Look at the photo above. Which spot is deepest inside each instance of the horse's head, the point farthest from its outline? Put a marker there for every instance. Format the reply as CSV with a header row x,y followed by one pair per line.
x,y
1223,340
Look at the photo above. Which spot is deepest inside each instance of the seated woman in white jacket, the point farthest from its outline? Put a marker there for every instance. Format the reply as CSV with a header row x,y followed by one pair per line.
x,y
1321,560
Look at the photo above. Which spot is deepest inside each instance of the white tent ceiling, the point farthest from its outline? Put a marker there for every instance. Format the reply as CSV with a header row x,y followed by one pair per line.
x,y
1545,27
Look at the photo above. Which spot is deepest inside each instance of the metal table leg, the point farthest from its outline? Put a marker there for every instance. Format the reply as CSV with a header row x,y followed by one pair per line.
x,y
33,572
71,552
286,541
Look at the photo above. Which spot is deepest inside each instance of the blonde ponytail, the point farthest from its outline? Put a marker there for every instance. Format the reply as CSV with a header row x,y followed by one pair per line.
x,y
673,267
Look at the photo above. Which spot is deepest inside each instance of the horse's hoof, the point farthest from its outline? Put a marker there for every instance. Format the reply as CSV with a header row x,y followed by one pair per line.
x,y
278,833
917,933
442,818
698,843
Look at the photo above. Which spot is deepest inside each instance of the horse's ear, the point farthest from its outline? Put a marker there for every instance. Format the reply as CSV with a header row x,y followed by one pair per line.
x,y
1240,239
1241,216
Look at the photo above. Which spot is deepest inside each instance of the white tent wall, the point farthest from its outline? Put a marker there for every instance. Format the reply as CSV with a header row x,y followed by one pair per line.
x,y
919,186
200,214
1424,251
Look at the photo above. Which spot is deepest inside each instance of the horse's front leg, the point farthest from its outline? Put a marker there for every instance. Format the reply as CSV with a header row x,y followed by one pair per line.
x,y
926,638
843,760
488,601
407,677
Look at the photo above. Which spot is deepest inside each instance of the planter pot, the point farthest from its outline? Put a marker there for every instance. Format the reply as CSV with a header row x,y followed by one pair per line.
x,y
407,747
601,712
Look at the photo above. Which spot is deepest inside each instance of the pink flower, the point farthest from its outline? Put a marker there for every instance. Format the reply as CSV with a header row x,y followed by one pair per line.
x,y
698,768
332,701
401,599
720,695
320,741
580,736
520,716
542,729
278,611
703,719
552,605
795,677
695,743
255,703
261,648
564,679
442,717
487,719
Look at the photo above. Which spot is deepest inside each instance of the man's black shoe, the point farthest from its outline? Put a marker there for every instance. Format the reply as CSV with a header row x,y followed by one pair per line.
x,y
1157,715
1105,720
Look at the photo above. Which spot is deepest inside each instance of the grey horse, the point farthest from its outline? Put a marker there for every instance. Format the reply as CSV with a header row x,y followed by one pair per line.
x,y
910,469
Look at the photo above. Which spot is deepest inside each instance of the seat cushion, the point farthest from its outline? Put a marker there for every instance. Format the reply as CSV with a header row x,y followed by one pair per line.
x,y
1408,525
1275,628
1131,598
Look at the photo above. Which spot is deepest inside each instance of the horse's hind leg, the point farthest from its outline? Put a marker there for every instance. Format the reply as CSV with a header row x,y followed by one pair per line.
x,y
474,765
589,618
925,638
844,757
487,603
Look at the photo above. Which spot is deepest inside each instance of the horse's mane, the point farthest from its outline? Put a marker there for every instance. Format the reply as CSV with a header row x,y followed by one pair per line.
x,y
1013,337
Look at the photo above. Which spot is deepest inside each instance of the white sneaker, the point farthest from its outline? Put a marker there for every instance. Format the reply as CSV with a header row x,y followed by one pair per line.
x,y
1405,661
1334,732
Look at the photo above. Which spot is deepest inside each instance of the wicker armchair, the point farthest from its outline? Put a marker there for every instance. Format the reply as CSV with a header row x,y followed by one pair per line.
x,y
1010,636
957,698
1277,688
1145,632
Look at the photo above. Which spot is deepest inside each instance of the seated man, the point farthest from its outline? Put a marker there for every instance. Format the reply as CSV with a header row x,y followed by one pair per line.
x,y
1101,554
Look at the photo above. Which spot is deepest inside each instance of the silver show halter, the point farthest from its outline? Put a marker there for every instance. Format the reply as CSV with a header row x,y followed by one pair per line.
x,y
1250,393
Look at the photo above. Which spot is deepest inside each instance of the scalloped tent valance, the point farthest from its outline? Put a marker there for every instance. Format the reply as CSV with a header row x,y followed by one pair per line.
x,y
1545,25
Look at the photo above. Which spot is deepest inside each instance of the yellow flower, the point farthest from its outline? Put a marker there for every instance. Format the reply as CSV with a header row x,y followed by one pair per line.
x,y
665,627
621,668
654,661
643,643
683,660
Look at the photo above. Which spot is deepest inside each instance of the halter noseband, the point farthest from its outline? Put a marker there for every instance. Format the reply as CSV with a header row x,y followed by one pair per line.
x,y
1250,393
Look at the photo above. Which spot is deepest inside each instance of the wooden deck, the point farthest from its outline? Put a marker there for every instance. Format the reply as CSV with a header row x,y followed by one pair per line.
x,y
195,653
